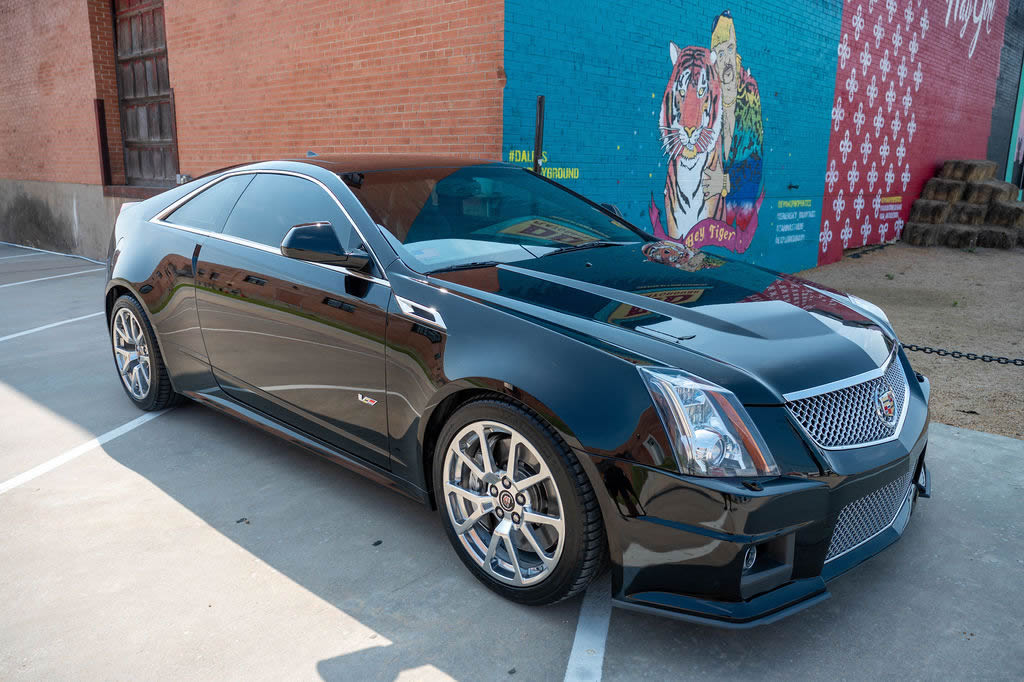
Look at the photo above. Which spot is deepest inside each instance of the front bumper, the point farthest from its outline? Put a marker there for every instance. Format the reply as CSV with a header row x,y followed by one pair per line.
x,y
678,546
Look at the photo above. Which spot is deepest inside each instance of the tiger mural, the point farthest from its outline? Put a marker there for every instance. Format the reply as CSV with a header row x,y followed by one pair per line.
x,y
691,125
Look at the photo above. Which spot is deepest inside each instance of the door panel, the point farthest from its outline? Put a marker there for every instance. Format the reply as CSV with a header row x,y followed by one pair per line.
x,y
299,342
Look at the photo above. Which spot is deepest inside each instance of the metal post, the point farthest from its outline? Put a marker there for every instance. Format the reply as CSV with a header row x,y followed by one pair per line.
x,y
101,139
538,135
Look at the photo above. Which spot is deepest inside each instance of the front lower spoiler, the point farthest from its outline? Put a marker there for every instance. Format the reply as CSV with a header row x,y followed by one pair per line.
x,y
788,599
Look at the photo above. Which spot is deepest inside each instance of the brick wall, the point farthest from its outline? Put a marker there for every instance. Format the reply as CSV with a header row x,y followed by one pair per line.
x,y
605,81
47,88
825,72
101,26
257,80
916,85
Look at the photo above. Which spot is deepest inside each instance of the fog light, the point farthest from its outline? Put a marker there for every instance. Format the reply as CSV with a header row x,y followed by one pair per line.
x,y
749,558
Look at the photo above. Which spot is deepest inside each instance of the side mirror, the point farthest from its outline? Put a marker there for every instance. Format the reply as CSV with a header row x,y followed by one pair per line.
x,y
612,208
317,243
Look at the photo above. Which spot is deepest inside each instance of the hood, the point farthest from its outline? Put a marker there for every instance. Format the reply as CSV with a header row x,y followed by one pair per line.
x,y
786,333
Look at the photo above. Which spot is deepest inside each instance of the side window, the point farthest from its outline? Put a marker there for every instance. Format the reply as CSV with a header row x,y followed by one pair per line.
x,y
209,209
272,204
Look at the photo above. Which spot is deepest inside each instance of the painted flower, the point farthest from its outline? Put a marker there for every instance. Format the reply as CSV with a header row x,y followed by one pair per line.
x,y
844,51
858,22
838,204
832,176
865,59
845,146
878,121
846,233
838,114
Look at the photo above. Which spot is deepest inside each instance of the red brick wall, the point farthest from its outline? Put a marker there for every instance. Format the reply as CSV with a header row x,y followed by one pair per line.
x,y
258,80
47,88
105,68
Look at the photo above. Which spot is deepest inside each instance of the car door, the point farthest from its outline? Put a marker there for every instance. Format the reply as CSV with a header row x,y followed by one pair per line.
x,y
299,341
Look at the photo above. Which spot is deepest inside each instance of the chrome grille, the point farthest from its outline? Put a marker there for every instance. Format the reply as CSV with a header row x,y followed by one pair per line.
x,y
847,417
866,517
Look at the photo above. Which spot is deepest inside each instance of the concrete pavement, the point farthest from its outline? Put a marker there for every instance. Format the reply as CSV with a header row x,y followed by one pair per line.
x,y
194,547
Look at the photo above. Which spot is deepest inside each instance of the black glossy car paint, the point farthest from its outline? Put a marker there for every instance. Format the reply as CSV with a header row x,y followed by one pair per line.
x,y
302,350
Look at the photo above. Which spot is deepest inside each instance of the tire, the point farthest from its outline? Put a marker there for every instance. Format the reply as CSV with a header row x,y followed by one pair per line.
x,y
501,517
140,367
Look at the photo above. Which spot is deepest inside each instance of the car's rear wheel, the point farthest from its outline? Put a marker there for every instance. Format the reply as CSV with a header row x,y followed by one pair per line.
x,y
516,504
137,357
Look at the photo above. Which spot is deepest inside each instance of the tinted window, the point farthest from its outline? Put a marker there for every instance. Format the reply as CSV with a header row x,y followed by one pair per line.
x,y
208,209
439,217
272,204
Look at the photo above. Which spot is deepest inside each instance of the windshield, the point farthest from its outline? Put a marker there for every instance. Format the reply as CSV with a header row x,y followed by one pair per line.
x,y
438,218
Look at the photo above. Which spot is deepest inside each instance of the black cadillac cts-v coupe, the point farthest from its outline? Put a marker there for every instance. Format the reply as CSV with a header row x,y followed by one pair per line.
x,y
566,390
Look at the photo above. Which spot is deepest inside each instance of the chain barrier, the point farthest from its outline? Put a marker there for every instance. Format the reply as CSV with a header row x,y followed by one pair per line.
x,y
960,355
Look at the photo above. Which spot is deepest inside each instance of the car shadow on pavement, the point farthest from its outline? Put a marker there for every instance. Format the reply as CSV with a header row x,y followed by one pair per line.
x,y
379,557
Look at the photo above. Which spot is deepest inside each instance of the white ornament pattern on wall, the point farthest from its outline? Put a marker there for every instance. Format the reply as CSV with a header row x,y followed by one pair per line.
x,y
873,118
838,114
838,204
865,230
825,236
844,51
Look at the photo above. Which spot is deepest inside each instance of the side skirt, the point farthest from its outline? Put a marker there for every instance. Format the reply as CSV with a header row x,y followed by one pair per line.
x,y
262,421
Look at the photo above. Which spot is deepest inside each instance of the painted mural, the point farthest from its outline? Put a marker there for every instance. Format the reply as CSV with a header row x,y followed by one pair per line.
x,y
908,96
712,133
777,133
702,125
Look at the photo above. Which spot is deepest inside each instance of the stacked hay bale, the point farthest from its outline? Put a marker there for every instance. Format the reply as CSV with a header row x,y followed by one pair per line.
x,y
965,206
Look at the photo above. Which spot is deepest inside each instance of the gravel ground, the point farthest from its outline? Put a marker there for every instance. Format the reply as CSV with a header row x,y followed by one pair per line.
x,y
957,300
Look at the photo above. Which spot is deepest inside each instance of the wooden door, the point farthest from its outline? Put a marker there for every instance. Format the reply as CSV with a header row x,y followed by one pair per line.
x,y
144,91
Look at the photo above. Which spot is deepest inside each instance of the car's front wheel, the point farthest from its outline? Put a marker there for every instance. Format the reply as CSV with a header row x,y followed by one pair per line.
x,y
137,357
516,504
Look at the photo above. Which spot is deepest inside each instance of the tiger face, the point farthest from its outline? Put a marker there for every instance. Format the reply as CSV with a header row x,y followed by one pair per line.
x,y
691,110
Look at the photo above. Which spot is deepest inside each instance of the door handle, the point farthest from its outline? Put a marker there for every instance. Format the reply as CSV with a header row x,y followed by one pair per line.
x,y
254,280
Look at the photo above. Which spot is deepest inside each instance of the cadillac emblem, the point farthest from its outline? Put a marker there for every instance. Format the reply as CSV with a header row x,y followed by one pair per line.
x,y
885,406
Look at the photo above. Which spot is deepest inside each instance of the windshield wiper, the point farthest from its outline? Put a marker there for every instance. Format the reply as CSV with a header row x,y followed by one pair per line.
x,y
585,245
466,266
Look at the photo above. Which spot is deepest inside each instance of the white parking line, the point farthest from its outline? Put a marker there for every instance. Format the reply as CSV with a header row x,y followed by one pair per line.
x,y
24,255
52,253
47,326
587,658
43,279
73,453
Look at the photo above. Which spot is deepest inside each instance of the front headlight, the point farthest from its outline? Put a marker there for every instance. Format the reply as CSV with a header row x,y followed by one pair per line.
x,y
710,431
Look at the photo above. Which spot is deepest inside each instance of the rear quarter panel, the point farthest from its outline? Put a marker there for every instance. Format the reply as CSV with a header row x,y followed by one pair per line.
x,y
155,264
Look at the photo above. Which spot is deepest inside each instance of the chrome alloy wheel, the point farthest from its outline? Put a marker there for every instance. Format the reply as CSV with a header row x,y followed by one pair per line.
x,y
131,353
503,503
